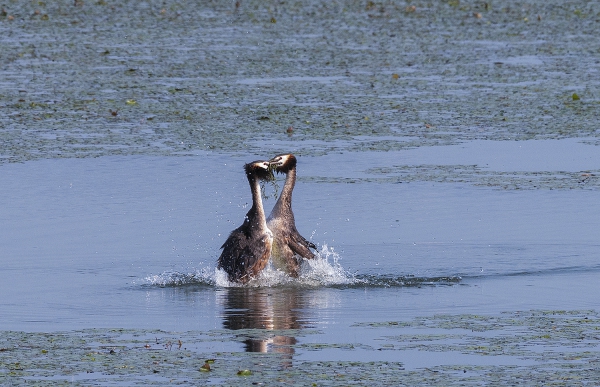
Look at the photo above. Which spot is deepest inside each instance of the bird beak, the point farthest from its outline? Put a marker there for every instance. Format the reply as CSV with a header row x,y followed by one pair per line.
x,y
276,161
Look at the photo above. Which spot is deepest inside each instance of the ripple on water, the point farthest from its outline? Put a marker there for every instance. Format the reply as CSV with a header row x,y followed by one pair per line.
x,y
323,271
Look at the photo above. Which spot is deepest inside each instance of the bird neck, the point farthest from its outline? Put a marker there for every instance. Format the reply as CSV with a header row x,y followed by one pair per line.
x,y
257,205
284,203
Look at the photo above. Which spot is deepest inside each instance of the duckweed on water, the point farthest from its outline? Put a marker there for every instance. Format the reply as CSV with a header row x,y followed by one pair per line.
x,y
542,347
472,174
171,78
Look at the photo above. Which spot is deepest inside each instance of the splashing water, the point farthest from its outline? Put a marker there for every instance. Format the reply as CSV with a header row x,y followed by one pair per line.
x,y
323,270
320,271
203,276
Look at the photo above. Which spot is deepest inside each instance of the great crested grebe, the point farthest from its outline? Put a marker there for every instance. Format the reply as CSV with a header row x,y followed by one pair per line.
x,y
288,245
247,250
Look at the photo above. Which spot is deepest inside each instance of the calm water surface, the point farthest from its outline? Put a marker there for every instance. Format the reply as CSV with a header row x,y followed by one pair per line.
x,y
132,242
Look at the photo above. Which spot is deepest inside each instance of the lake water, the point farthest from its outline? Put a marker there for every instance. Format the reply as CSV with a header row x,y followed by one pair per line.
x,y
132,242
448,173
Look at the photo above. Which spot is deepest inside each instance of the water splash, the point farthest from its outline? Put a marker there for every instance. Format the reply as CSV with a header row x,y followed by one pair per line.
x,y
203,276
324,270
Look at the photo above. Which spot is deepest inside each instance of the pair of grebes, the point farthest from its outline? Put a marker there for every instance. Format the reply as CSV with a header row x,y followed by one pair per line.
x,y
249,247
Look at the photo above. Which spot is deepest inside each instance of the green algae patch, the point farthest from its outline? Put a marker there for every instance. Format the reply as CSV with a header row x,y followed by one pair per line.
x,y
528,348
172,78
546,339
474,175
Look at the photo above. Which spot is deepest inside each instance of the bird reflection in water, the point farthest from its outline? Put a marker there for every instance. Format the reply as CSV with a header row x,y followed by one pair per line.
x,y
264,309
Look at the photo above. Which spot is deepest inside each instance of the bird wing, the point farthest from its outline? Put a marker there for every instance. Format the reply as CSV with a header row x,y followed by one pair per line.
x,y
241,255
256,257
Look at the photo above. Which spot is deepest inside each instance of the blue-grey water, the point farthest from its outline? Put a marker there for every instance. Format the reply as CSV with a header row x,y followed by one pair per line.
x,y
448,172
131,242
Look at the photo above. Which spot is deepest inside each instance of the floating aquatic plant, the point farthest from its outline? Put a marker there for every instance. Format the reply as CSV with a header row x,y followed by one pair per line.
x,y
526,348
272,181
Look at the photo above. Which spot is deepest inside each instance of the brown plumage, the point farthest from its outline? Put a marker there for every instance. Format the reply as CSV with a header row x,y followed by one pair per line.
x,y
247,250
289,247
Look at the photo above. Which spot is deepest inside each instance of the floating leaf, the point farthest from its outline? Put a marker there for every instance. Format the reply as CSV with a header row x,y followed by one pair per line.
x,y
576,97
273,20
131,102
244,373
205,367
395,76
